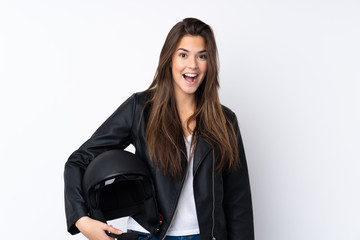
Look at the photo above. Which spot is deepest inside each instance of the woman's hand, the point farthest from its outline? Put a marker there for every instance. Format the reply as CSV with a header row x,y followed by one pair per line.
x,y
95,230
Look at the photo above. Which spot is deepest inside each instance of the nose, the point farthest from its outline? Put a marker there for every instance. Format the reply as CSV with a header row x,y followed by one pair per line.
x,y
192,63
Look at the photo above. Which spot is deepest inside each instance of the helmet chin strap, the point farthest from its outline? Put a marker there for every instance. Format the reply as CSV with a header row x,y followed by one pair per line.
x,y
128,236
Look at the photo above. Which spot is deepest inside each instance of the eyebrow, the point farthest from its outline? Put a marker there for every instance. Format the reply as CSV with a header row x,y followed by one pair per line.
x,y
185,50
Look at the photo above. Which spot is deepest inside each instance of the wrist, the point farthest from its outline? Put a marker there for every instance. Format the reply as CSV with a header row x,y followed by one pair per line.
x,y
81,221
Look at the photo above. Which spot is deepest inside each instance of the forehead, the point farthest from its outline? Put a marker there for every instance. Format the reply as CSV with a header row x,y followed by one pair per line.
x,y
194,43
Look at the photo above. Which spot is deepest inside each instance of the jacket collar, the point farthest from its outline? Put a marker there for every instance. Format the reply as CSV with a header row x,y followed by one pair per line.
x,y
202,149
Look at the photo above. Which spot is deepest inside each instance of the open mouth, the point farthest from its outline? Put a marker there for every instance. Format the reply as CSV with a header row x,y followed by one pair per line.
x,y
190,77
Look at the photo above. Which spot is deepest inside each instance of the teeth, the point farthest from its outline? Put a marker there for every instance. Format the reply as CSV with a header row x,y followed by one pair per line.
x,y
190,75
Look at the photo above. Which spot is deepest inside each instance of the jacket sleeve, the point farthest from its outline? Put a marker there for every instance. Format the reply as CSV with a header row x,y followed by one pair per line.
x,y
115,132
237,197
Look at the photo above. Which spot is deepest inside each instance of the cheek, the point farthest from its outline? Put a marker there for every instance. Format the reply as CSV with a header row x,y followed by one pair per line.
x,y
173,69
177,66
203,68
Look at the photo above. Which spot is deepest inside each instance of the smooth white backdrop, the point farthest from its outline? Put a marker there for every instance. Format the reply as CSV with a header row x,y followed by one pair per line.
x,y
289,69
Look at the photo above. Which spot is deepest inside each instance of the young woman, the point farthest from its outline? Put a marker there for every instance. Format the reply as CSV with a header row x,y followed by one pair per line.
x,y
190,142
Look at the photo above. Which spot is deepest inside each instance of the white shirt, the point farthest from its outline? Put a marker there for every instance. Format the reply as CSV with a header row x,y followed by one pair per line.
x,y
185,221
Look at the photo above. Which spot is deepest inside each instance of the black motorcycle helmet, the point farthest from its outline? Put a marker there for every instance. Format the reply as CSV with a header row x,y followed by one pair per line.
x,y
118,184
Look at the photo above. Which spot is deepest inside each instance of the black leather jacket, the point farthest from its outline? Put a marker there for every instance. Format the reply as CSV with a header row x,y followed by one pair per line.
x,y
223,200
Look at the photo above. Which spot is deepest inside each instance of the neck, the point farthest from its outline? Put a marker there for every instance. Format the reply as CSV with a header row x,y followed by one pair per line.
x,y
186,106
185,102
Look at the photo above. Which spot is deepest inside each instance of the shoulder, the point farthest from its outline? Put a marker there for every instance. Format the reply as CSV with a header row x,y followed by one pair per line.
x,y
229,114
140,102
141,98
231,117
137,100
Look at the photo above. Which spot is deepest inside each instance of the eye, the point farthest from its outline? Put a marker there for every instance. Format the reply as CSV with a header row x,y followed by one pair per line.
x,y
202,57
183,55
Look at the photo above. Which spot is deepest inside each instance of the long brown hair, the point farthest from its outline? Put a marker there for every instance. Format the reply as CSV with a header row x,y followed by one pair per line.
x,y
164,131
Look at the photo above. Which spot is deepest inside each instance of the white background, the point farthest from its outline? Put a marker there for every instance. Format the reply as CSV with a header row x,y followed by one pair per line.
x,y
289,69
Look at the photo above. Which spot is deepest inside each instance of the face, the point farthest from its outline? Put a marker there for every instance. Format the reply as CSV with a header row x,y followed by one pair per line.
x,y
189,65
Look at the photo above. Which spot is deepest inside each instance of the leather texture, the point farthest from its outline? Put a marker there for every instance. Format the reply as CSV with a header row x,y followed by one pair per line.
x,y
223,200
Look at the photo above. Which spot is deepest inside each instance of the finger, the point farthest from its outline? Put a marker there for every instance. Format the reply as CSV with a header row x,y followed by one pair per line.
x,y
113,230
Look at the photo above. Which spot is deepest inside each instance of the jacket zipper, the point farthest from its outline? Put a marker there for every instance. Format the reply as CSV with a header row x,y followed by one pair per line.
x,y
213,198
182,185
